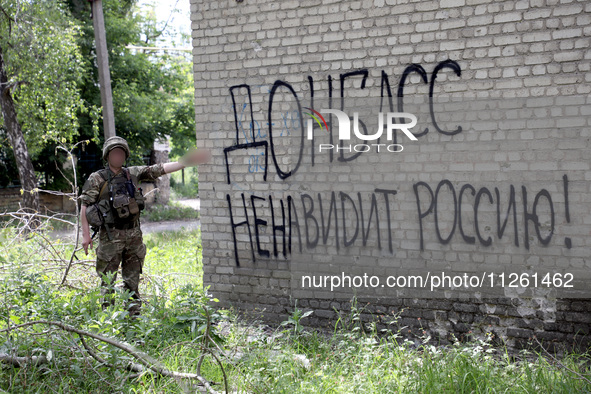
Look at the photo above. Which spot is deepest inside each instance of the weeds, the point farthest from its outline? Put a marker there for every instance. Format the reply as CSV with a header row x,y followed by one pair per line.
x,y
295,319
171,211
59,339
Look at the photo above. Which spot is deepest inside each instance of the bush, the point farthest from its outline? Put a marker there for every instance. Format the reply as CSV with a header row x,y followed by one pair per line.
x,y
172,211
189,189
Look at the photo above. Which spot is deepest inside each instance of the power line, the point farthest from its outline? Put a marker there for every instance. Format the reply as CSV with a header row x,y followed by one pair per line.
x,y
171,49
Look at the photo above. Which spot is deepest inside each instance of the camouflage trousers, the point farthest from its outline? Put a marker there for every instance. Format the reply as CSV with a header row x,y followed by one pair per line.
x,y
127,248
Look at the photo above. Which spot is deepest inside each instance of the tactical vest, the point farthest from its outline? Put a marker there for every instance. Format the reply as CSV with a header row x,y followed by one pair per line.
x,y
119,203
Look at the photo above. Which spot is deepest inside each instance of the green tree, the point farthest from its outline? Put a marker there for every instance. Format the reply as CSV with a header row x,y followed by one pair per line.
x,y
149,91
183,115
152,90
40,68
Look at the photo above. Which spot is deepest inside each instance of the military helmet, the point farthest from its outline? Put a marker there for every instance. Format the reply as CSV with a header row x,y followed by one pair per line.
x,y
115,142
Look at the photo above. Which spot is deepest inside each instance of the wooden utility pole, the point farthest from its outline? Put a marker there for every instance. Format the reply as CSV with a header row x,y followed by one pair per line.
x,y
102,57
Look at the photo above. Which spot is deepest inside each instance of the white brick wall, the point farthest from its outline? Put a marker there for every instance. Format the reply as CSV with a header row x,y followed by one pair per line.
x,y
506,50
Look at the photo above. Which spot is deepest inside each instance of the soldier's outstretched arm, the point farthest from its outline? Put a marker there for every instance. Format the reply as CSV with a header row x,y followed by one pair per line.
x,y
192,158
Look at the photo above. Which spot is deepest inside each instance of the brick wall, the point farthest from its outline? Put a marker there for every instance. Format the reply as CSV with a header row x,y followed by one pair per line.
x,y
508,193
10,199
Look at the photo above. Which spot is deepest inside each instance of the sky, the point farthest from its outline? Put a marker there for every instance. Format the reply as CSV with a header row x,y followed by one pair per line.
x,y
178,15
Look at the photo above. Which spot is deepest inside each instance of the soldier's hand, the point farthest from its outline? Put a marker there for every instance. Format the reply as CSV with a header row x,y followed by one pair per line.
x,y
86,242
194,157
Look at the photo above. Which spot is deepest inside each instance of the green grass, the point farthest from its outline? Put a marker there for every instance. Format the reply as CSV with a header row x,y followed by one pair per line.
x,y
171,211
175,255
354,357
190,189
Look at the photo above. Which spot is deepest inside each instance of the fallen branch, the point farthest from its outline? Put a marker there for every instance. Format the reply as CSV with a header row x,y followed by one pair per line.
x,y
133,367
144,359
197,345
579,376
22,361
20,215
92,367
75,194
93,354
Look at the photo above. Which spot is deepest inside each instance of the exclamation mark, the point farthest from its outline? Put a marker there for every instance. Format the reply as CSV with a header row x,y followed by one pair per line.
x,y
567,240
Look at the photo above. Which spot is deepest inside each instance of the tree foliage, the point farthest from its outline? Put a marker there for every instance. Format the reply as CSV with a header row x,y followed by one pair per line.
x,y
51,58
147,89
45,66
40,67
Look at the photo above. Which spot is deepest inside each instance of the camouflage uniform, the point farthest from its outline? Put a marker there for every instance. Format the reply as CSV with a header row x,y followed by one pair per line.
x,y
126,245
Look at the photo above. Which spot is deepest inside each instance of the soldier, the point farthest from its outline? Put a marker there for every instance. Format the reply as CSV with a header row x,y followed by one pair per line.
x,y
112,201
